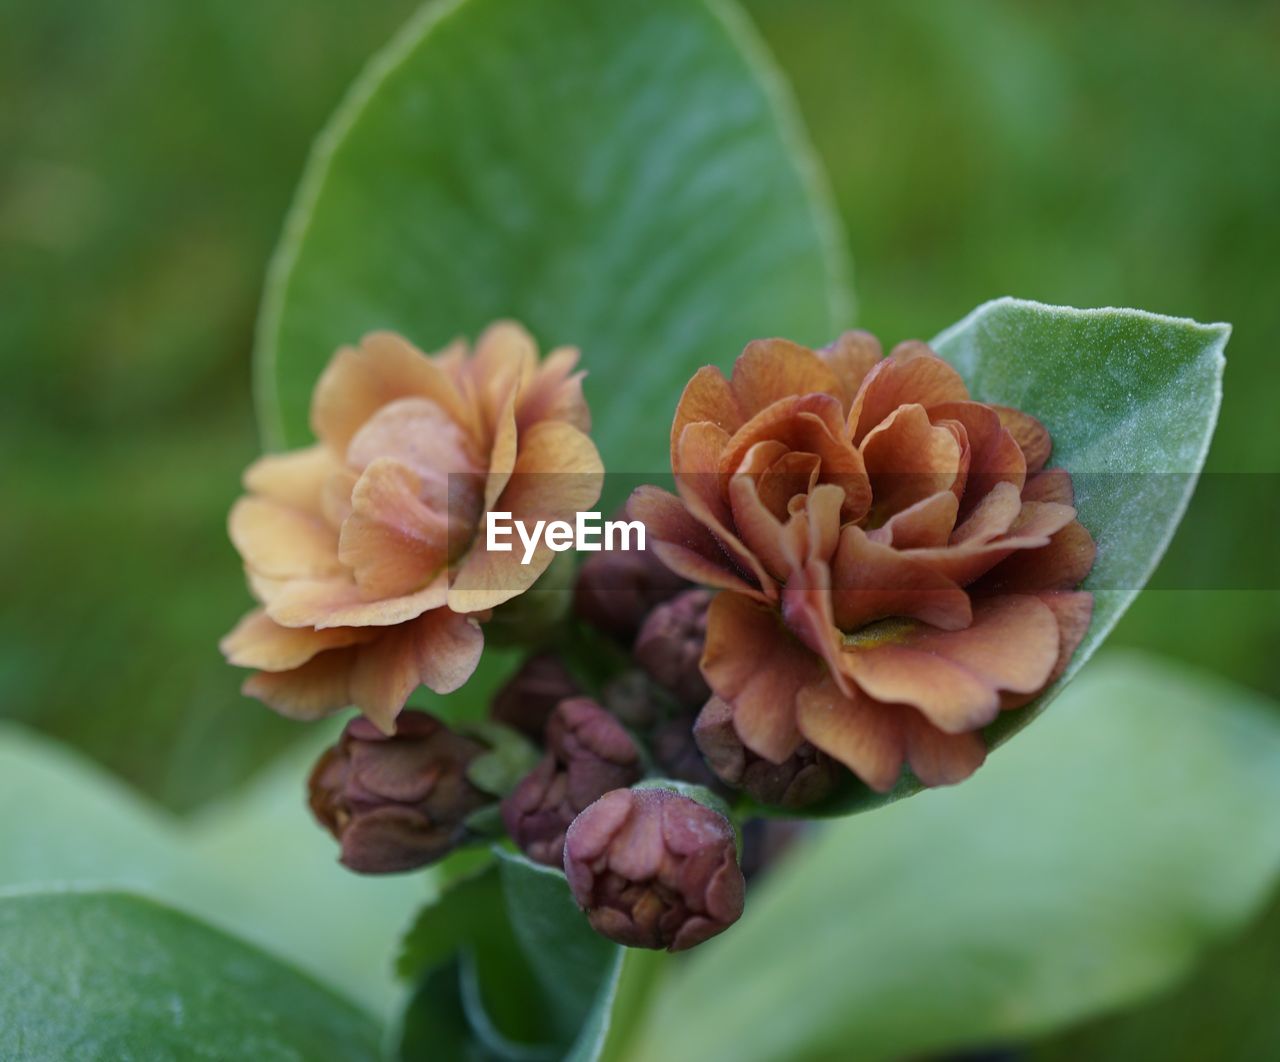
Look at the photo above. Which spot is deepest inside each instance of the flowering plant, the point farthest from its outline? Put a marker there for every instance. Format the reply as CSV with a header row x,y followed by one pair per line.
x,y
728,784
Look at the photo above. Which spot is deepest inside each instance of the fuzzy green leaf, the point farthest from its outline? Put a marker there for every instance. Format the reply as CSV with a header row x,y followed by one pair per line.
x,y
1076,872
110,975
626,178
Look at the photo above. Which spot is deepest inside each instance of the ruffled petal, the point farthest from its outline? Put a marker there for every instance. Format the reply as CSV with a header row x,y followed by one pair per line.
x,y
1031,436
754,664
939,758
768,370
707,398
925,525
862,734
1060,565
296,478
953,676
555,393
907,460
339,603
359,382
314,690
850,358
911,373
440,650
394,542
684,544
260,643
281,542
871,581
558,473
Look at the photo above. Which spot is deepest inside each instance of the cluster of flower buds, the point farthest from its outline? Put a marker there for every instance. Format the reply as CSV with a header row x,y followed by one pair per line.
x,y
863,567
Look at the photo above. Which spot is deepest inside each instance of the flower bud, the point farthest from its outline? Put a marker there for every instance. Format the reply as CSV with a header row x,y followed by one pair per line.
x,y
631,698
396,802
654,869
678,756
588,753
669,646
529,697
804,778
618,589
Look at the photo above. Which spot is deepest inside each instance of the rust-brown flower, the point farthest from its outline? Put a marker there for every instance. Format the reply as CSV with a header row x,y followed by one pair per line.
x,y
366,551
896,563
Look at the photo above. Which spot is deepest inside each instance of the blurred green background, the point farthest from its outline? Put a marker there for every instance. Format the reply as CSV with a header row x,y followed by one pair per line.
x,y
1078,153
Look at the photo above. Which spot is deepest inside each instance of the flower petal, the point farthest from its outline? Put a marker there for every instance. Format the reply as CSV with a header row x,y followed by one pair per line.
x,y
282,542
953,676
707,398
440,649
1031,436
1061,565
965,562
555,393
752,662
558,473
260,643
699,482
359,382
419,434
907,460
296,478
339,603
926,524
684,544
768,370
850,357
314,690
939,758
871,581
862,734
394,542
911,373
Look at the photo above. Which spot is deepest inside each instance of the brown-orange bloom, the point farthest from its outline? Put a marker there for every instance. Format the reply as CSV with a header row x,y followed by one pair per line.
x,y
366,550
896,564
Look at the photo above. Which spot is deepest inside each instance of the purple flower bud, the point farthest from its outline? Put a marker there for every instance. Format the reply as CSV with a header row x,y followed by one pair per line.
x,y
617,589
669,646
531,694
807,777
588,753
396,802
630,697
654,869
678,756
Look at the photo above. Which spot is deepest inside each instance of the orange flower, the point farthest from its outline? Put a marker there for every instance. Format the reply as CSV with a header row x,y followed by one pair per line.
x,y
366,550
897,565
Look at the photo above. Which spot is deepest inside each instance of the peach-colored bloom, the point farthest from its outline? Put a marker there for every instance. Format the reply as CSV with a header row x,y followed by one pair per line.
x,y
367,550
897,566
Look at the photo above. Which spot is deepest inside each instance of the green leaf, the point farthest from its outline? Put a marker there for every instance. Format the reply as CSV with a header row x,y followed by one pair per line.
x,y
572,963
1131,400
1226,1011
627,178
511,949
109,975
245,864
1083,868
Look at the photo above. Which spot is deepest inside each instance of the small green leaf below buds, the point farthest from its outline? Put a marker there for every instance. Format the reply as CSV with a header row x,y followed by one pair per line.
x,y
588,753
654,869
669,646
397,802
805,778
